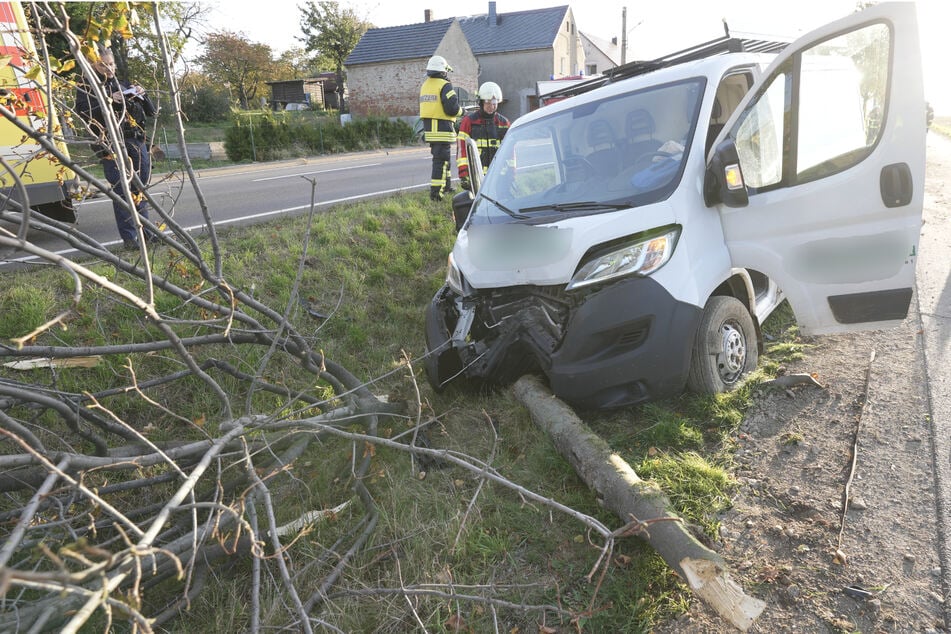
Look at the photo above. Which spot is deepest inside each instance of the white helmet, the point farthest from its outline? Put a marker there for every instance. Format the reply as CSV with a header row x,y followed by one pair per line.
x,y
489,91
439,64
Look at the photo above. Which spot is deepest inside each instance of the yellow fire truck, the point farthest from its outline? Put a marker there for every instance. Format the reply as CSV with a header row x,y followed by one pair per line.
x,y
22,91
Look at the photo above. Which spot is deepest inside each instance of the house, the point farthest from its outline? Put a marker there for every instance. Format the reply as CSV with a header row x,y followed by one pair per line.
x,y
515,50
388,65
599,54
519,48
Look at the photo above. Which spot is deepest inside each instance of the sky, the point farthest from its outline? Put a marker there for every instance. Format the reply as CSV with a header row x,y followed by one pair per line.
x,y
654,29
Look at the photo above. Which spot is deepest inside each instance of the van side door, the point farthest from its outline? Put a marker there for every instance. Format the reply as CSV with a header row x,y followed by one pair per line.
x,y
819,177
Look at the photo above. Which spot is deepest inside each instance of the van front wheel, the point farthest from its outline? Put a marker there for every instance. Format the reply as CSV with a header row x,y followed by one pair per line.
x,y
725,349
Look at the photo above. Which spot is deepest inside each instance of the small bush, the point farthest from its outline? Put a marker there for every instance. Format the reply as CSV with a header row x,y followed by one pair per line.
x,y
263,136
205,105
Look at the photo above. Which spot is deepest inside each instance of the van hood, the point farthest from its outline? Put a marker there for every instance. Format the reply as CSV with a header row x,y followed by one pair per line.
x,y
514,254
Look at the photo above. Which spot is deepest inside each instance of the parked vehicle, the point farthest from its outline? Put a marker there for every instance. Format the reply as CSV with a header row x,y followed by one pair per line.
x,y
46,181
631,239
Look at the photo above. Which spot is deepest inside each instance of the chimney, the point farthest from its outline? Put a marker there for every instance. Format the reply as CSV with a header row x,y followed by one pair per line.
x,y
428,15
493,16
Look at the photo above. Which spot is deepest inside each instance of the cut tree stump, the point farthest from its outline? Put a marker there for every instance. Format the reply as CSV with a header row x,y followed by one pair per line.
x,y
622,492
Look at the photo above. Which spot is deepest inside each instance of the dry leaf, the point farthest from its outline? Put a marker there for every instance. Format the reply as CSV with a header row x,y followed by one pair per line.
x,y
454,623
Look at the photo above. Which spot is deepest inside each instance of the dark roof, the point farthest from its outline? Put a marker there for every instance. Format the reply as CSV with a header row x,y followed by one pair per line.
x,y
516,31
399,42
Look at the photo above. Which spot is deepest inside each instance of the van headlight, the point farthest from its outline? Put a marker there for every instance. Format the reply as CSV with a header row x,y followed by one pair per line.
x,y
454,278
641,256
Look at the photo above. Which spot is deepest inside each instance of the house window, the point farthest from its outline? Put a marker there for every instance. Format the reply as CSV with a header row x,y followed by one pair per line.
x,y
591,69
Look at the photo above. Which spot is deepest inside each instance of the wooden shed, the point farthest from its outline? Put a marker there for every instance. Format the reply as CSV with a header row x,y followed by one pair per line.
x,y
300,91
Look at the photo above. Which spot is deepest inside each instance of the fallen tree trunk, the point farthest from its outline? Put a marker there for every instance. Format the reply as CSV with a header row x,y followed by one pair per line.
x,y
630,498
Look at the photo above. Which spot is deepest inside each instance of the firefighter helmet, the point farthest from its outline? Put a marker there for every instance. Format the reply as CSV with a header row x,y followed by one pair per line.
x,y
489,91
439,64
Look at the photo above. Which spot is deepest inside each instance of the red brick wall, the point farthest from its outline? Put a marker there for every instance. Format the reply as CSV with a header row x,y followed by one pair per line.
x,y
386,89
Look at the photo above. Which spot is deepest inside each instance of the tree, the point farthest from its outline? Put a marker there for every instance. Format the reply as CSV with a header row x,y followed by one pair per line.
x,y
296,63
331,33
232,59
135,46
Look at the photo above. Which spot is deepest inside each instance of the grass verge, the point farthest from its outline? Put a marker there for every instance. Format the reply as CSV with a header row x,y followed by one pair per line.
x,y
368,272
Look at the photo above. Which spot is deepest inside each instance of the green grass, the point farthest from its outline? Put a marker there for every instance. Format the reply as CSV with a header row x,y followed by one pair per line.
x,y
371,268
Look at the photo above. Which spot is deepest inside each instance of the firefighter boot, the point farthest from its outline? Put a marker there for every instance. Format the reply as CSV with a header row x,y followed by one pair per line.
x,y
435,193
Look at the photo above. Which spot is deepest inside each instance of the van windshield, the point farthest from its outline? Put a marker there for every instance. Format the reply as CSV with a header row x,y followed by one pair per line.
x,y
624,151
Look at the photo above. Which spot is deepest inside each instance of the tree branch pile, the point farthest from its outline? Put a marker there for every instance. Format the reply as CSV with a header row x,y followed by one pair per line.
x,y
99,507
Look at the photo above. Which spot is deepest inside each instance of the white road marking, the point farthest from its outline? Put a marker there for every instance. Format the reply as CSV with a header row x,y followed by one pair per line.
x,y
338,169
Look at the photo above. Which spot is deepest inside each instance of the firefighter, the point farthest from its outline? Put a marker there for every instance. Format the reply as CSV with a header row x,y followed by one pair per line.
x,y
486,127
438,109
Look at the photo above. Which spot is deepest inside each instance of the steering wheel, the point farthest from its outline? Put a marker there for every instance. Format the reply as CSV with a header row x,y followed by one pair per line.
x,y
577,168
644,160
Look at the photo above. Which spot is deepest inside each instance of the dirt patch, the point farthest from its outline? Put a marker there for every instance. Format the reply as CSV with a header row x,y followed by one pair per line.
x,y
874,568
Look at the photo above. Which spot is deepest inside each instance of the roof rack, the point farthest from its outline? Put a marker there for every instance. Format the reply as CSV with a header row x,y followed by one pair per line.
x,y
718,46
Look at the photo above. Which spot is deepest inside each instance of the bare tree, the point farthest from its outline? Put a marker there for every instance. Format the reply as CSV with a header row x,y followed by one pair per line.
x,y
101,509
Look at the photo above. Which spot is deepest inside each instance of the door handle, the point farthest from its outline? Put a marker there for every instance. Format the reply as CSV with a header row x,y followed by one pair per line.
x,y
896,185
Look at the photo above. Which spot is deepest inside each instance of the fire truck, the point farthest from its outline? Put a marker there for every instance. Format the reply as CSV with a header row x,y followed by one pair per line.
x,y
46,182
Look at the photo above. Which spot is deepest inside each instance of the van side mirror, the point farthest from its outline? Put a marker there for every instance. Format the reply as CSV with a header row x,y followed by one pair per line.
x,y
723,182
461,206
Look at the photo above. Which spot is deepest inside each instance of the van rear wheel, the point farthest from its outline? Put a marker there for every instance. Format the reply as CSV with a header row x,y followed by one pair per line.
x,y
725,350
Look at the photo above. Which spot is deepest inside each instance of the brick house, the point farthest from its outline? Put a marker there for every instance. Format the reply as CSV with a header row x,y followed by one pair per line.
x,y
388,65
515,50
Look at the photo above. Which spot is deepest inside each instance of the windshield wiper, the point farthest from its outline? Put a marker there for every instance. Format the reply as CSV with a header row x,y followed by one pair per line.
x,y
587,205
513,214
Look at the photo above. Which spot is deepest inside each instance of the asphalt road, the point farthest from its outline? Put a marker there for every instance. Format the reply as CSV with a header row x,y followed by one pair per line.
x,y
252,193
934,307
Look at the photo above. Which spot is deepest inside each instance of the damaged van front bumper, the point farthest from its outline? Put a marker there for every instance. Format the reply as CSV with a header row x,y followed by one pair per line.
x,y
607,346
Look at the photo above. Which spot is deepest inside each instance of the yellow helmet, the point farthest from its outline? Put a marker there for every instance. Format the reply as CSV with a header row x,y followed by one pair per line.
x,y
439,64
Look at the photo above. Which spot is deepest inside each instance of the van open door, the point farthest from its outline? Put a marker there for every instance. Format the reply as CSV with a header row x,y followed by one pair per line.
x,y
819,174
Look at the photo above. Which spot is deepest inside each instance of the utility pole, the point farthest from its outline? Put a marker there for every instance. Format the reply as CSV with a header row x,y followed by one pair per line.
x,y
623,35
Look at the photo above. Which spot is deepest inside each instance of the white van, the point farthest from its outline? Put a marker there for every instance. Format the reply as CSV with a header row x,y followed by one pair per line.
x,y
630,240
